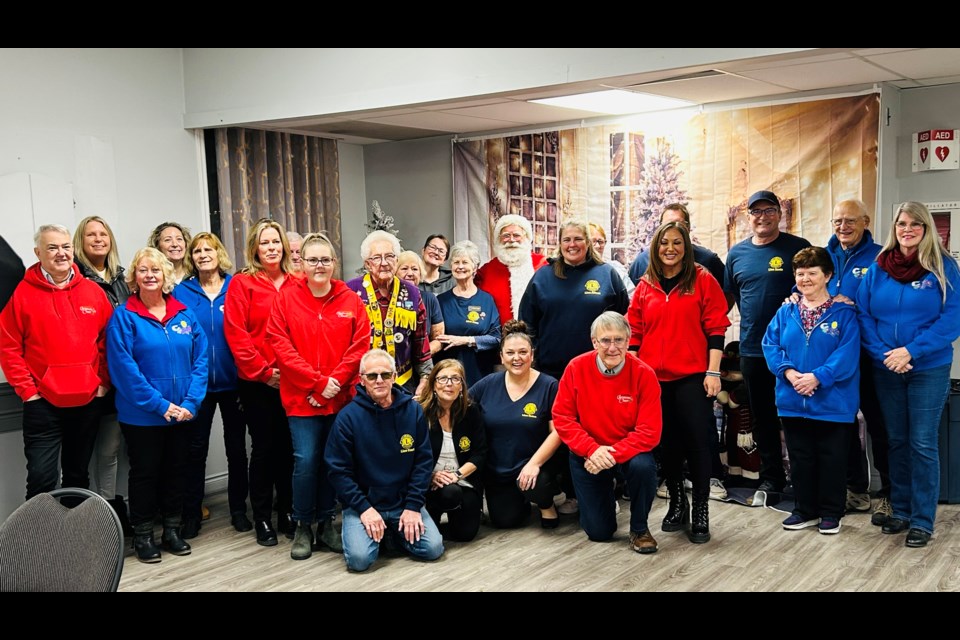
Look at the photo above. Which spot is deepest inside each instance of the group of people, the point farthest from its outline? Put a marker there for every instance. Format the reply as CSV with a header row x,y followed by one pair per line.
x,y
415,390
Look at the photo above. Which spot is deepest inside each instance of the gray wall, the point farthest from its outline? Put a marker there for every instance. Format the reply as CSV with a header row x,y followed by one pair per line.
x,y
353,206
924,109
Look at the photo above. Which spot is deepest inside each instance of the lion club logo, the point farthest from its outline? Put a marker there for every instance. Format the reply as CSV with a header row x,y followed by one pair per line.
x,y
530,410
591,287
464,443
406,443
473,316
776,264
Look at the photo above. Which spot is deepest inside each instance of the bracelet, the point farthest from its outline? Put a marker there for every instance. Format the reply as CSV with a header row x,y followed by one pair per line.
x,y
714,374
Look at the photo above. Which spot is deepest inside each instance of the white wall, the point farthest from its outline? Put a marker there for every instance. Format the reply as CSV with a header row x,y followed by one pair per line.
x,y
924,109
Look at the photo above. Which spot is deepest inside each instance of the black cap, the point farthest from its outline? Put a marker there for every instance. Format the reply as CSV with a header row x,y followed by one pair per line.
x,y
769,196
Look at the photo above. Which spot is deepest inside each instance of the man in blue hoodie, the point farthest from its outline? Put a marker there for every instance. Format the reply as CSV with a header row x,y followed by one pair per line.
x,y
380,464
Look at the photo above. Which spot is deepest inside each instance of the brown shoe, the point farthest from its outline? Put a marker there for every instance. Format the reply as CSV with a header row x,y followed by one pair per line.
x,y
643,542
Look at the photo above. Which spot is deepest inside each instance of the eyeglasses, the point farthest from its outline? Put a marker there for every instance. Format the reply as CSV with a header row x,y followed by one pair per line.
x,y
849,222
313,262
599,242
440,251
373,376
910,225
445,380
769,211
515,237
608,342
384,258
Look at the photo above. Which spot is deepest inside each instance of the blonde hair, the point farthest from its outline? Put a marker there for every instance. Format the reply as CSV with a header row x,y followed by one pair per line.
x,y
157,257
254,266
113,256
584,228
224,264
930,253
408,256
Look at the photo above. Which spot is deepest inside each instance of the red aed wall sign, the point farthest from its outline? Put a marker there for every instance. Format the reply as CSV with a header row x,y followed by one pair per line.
x,y
936,150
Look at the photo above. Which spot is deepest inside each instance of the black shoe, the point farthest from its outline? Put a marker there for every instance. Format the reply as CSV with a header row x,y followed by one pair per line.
x,y
266,536
190,529
678,512
700,522
286,525
549,523
917,538
146,548
172,542
120,508
241,522
769,486
895,525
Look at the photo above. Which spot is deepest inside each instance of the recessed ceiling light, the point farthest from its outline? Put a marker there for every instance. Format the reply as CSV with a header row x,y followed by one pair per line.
x,y
616,101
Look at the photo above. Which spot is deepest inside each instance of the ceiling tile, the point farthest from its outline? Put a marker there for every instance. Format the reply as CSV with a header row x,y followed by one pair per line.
x,y
715,89
874,52
444,122
525,112
839,73
460,104
921,63
763,63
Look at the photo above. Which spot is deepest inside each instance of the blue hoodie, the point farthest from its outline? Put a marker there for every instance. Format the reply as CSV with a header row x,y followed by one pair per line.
x,y
850,267
223,370
831,353
380,458
910,315
154,363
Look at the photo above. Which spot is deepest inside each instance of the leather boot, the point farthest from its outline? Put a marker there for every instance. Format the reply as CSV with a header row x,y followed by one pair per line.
x,y
678,512
120,508
144,544
171,540
328,536
700,525
302,547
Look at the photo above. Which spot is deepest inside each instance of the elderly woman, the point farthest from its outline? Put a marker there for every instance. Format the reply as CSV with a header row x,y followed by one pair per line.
x,y
909,306
157,353
205,293
319,332
599,239
395,309
95,252
470,316
459,448
436,277
295,240
250,298
813,349
410,267
678,317
608,413
171,239
517,407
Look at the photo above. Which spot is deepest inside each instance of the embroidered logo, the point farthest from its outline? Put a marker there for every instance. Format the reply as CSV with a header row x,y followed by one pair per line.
x,y
344,314
922,284
221,308
591,287
464,443
624,399
473,315
406,443
776,264
859,272
530,410
830,328
183,328
88,311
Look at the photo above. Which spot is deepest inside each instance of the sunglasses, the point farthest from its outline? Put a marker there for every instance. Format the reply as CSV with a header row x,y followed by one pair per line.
x,y
377,375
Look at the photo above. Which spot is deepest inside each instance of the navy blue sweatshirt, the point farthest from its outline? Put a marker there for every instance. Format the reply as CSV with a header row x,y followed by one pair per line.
x,y
380,458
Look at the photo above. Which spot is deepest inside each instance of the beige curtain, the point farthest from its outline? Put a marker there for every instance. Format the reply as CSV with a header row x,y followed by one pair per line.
x,y
293,179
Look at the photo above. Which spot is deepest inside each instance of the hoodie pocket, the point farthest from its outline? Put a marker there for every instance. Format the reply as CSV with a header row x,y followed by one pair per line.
x,y
69,385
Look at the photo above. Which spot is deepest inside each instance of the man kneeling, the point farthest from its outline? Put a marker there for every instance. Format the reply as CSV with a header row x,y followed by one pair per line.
x,y
380,465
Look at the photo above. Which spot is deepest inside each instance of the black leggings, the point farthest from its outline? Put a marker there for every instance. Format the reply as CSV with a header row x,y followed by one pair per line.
x,y
463,506
688,425
509,507
271,459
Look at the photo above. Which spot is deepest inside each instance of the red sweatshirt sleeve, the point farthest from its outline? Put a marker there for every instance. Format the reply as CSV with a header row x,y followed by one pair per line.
x,y
566,418
714,316
12,355
635,315
250,363
349,367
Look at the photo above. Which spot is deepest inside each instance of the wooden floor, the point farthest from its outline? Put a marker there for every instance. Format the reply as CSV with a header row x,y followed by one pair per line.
x,y
749,552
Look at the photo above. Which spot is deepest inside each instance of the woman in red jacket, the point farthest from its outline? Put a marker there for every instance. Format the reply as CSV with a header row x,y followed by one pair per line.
x,y
678,317
250,298
319,331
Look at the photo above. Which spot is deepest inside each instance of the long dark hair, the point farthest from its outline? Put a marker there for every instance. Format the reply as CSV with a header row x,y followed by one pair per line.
x,y
430,402
688,270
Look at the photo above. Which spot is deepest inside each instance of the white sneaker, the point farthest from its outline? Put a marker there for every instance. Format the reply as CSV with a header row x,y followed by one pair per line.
x,y
569,507
717,490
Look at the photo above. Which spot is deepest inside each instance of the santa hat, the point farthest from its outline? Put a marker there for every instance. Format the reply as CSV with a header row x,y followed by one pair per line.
x,y
509,219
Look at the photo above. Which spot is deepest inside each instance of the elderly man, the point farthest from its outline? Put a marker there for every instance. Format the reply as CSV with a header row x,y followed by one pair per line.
x,y
380,464
53,353
295,240
759,277
506,276
398,318
607,412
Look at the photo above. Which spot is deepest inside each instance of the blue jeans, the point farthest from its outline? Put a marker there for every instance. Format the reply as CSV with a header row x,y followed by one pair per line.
x,y
360,550
596,498
912,404
313,495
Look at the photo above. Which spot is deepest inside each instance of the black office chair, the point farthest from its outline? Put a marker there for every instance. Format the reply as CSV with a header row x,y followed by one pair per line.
x,y
45,546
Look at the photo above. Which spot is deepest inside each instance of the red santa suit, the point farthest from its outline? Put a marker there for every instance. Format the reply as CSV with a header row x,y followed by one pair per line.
x,y
507,284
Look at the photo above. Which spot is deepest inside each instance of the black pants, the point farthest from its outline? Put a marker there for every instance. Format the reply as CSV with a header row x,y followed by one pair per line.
x,y
509,507
761,393
858,471
688,424
235,442
158,456
55,438
271,456
463,506
818,456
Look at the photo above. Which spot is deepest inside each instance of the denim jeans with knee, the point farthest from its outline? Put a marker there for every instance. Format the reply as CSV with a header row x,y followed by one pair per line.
x,y
596,497
360,550
313,495
912,404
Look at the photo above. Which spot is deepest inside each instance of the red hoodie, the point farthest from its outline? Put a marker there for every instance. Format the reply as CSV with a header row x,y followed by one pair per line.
x,y
249,301
620,411
316,339
672,330
53,341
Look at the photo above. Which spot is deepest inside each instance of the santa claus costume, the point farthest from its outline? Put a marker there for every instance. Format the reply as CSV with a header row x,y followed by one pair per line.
x,y
506,276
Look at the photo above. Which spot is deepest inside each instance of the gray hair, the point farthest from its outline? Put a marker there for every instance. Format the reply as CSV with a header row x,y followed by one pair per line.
x,y
378,236
293,236
45,228
468,250
377,354
610,321
852,203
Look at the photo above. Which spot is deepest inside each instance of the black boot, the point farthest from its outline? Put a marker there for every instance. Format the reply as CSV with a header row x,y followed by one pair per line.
x,y
700,526
678,512
172,541
120,508
144,544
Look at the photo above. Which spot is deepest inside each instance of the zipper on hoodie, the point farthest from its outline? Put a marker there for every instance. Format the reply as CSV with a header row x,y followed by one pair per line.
x,y
213,356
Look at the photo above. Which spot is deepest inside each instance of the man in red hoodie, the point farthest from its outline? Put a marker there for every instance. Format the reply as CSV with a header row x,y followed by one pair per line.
x,y
53,353
607,412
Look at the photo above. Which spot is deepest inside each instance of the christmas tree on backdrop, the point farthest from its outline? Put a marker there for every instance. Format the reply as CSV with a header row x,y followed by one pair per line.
x,y
659,186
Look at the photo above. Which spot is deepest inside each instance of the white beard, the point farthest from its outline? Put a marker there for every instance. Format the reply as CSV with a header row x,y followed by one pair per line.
x,y
519,263
514,254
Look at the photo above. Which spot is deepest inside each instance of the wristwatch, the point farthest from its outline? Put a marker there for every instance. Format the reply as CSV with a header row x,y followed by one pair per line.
x,y
458,473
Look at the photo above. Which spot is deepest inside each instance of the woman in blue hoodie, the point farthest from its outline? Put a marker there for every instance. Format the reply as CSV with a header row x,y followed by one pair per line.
x,y
813,349
157,354
909,317
205,294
